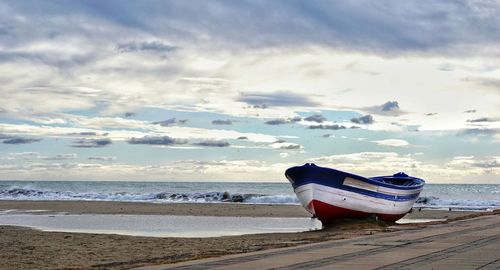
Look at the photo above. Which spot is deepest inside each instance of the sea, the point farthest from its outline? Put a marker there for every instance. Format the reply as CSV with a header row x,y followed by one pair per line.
x,y
434,196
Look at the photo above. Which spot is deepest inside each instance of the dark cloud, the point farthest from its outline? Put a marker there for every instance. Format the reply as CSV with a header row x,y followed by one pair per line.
x,y
290,146
99,158
277,99
332,127
318,118
470,111
213,143
282,121
366,119
222,122
170,122
479,132
91,143
242,138
276,122
4,136
479,120
387,28
83,133
390,106
263,106
129,114
61,157
152,46
17,140
430,114
157,140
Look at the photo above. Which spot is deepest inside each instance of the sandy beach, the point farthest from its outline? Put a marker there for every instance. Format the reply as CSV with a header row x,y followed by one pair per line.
x,y
25,248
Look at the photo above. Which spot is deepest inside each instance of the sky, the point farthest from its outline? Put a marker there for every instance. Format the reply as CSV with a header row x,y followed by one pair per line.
x,y
242,90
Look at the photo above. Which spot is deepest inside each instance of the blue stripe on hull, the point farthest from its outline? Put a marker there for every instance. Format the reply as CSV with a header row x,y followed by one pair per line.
x,y
312,174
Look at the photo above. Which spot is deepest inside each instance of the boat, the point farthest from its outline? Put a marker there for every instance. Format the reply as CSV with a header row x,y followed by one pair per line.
x,y
331,194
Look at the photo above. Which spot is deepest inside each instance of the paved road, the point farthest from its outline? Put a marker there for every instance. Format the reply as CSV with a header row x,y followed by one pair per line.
x,y
467,244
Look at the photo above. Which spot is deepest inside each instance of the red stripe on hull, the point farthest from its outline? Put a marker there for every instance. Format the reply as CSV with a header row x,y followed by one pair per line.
x,y
326,213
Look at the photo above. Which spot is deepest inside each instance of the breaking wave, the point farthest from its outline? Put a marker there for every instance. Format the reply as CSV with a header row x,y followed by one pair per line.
x,y
27,193
436,197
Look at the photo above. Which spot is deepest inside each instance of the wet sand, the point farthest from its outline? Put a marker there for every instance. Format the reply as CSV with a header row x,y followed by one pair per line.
x,y
24,248
191,209
137,208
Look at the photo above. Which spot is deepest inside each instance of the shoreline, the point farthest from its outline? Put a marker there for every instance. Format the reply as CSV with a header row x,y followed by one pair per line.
x,y
216,209
25,248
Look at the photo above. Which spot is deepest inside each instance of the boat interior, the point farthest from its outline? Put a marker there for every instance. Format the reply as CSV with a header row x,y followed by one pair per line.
x,y
398,181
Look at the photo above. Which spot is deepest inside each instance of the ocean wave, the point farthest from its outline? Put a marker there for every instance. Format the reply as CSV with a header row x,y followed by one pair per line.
x,y
28,193
435,202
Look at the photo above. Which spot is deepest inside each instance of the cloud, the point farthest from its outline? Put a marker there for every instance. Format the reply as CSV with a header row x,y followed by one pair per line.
x,y
392,142
276,122
366,119
318,118
145,46
222,122
479,131
387,163
129,114
263,106
493,162
479,120
284,155
390,108
18,140
91,143
91,64
242,138
169,122
25,155
61,157
331,127
283,145
278,99
465,162
388,28
85,133
470,111
157,140
291,146
212,143
282,121
101,158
